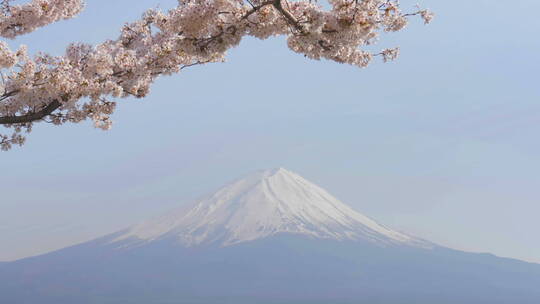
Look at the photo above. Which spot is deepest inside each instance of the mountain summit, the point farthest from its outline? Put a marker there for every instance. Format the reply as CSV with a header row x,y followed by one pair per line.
x,y
263,204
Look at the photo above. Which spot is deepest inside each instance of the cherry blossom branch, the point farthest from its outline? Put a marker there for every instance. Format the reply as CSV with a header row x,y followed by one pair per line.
x,y
290,18
31,116
194,33
257,8
17,20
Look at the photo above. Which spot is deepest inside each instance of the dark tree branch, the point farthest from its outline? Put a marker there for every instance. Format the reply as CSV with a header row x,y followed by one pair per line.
x,y
31,116
257,8
290,18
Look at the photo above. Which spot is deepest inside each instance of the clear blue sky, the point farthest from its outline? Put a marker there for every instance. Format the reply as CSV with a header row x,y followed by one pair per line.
x,y
442,144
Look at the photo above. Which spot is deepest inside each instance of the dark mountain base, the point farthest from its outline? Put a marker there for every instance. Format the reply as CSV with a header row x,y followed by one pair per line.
x,y
279,270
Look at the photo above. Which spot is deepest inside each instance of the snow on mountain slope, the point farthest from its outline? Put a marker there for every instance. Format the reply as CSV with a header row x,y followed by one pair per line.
x,y
263,204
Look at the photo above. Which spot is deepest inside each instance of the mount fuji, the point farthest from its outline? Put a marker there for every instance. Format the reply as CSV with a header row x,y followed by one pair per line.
x,y
270,237
263,204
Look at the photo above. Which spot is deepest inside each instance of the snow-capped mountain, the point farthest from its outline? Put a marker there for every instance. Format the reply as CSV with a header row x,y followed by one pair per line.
x,y
263,204
271,238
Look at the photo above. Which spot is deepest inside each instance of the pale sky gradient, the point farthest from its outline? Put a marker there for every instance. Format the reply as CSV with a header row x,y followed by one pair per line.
x,y
442,144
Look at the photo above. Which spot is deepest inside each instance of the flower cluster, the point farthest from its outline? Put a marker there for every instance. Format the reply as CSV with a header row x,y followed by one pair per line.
x,y
390,54
426,15
16,20
76,86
